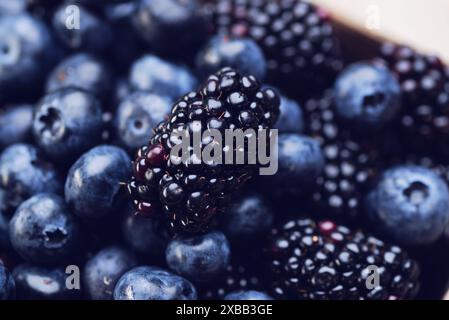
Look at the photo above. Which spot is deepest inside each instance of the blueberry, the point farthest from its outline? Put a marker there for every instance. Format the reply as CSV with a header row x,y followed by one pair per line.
x,y
92,188
151,283
247,295
248,217
119,15
42,283
43,231
137,116
83,71
7,284
200,258
367,95
146,236
103,270
291,118
150,73
15,124
171,27
242,54
93,34
24,172
300,162
26,52
410,204
67,122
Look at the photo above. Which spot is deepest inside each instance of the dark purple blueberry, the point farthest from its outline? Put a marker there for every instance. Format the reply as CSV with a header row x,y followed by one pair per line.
x,y
67,123
222,51
83,71
153,74
199,258
15,124
26,52
43,231
24,172
103,270
93,185
147,236
409,204
367,96
137,115
172,27
152,283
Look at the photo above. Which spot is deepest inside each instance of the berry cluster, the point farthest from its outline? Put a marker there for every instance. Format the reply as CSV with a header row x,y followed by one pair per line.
x,y
95,171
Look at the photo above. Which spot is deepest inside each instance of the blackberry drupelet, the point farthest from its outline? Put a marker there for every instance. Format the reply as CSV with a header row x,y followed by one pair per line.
x,y
424,82
296,37
323,260
236,277
192,192
350,165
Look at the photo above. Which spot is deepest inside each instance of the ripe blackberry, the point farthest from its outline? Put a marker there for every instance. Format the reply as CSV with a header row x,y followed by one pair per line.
x,y
323,260
350,165
424,81
235,278
192,193
296,37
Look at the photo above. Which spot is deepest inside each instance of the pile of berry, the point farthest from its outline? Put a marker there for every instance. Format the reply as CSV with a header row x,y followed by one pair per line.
x,y
92,94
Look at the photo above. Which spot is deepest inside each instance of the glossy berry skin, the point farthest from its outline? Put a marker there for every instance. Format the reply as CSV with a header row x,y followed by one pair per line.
x,y
153,74
367,96
92,188
171,27
297,39
83,71
137,115
27,51
291,118
42,283
247,295
145,236
321,260
241,54
247,218
152,283
192,193
301,161
67,122
199,258
7,284
410,204
43,231
93,35
15,124
103,270
424,79
24,172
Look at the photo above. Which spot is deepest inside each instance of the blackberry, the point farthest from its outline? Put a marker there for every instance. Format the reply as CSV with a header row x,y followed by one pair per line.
x,y
350,165
236,277
424,82
192,192
323,260
296,37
